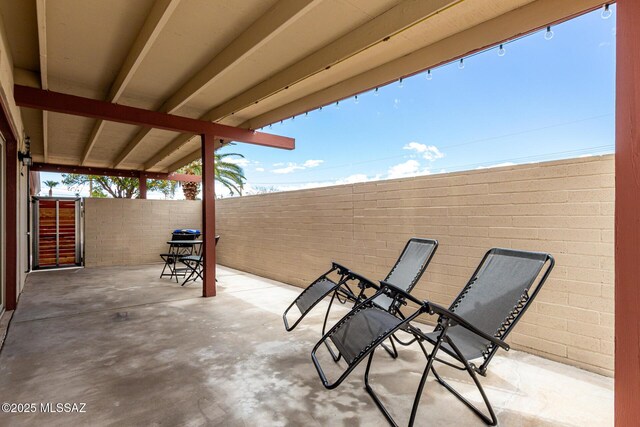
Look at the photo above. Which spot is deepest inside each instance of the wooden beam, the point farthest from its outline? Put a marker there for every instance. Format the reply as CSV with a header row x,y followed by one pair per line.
x,y
529,18
79,106
185,160
8,131
168,150
41,13
142,185
153,25
627,225
127,173
11,223
260,32
273,22
208,216
403,15
132,145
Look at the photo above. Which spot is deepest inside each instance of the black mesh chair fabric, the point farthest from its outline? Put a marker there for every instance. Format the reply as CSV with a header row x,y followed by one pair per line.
x,y
405,274
408,268
500,290
315,292
361,329
491,296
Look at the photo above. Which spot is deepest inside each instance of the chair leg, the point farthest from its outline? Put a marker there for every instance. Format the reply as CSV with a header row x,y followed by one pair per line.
x,y
324,327
187,277
403,343
373,394
163,269
168,263
175,266
423,380
393,352
491,420
194,270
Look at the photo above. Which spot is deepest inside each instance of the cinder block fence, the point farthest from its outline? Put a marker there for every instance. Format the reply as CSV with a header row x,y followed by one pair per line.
x,y
562,207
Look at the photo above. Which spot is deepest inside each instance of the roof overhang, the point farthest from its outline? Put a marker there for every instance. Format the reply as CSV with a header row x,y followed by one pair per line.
x,y
241,64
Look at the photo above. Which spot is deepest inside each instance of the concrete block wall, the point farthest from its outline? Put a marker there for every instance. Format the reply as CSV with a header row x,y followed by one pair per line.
x,y
562,207
134,231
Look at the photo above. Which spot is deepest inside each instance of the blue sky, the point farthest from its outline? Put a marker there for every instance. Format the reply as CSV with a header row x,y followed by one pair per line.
x,y
542,100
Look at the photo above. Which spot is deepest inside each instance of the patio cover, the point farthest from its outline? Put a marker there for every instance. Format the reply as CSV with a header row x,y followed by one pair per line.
x,y
245,64
251,63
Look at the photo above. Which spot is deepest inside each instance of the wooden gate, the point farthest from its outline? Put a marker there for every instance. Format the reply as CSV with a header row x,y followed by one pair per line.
x,y
57,235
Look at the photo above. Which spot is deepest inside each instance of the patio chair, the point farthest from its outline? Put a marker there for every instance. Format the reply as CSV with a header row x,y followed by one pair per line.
x,y
473,327
194,266
405,273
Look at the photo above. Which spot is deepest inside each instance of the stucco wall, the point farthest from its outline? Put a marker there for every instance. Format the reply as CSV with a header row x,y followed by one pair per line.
x,y
133,231
563,207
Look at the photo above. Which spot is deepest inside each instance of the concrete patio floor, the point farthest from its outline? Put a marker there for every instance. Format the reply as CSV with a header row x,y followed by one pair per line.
x,y
139,350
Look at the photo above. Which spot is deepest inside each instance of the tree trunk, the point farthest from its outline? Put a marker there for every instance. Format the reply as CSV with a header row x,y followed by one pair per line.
x,y
50,192
190,190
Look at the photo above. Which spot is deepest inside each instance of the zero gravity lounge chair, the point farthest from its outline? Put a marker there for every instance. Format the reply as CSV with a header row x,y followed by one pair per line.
x,y
406,272
473,328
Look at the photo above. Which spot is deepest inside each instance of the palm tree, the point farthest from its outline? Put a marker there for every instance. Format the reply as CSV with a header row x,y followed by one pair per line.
x,y
228,174
191,189
51,184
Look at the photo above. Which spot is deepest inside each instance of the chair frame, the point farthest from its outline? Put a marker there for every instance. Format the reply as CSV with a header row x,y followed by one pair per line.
x,y
176,251
343,293
446,319
194,265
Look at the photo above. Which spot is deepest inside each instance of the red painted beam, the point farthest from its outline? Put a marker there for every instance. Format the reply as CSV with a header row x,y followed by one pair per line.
x,y
627,231
11,210
208,216
142,186
182,177
11,224
128,173
78,106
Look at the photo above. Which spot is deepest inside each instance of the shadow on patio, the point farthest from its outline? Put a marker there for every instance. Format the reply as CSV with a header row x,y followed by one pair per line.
x,y
137,349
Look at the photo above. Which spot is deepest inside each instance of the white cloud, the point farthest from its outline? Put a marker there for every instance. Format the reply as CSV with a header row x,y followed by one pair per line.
x,y
278,164
416,146
259,169
292,167
240,161
312,163
429,152
402,170
433,153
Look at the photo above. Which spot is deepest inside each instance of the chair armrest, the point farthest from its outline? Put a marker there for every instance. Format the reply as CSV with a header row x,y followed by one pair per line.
x,y
341,268
449,315
394,289
363,280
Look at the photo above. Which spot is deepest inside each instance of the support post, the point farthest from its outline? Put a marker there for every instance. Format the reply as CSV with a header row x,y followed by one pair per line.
x,y
208,216
142,182
627,222
11,224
